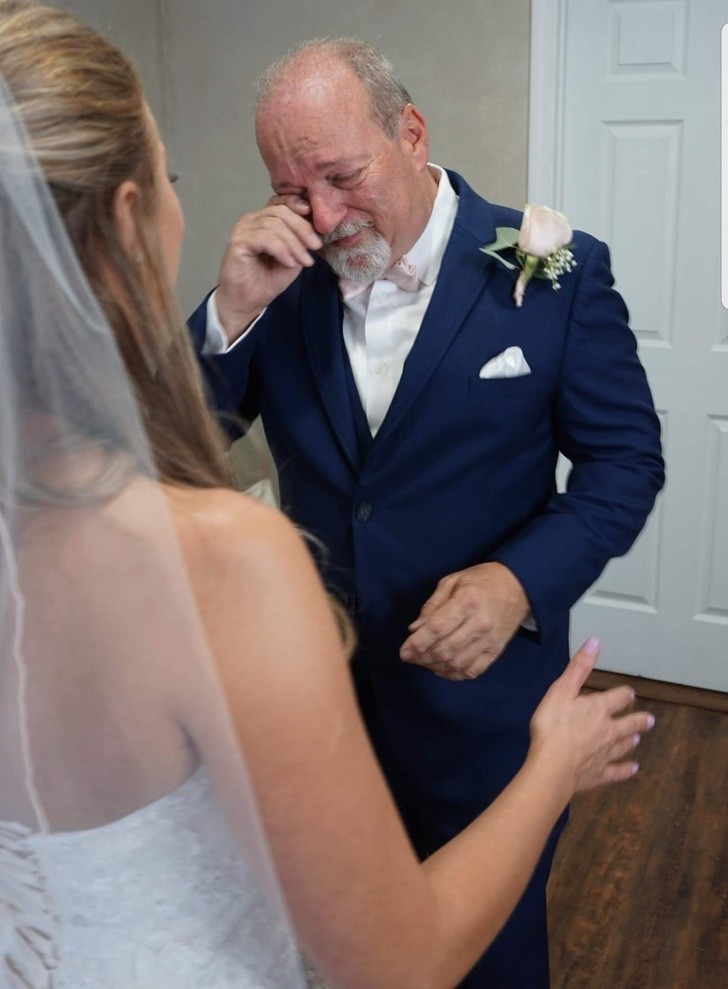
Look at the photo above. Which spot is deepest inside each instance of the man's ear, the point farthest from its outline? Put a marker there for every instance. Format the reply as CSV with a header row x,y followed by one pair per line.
x,y
413,132
126,199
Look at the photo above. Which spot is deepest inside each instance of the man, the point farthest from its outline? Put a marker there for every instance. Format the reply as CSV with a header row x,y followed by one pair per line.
x,y
431,487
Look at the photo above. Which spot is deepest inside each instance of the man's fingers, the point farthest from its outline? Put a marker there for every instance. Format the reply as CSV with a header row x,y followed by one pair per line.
x,y
458,648
454,675
297,224
276,220
471,671
440,595
285,250
468,667
282,221
293,202
465,658
436,627
275,241
465,643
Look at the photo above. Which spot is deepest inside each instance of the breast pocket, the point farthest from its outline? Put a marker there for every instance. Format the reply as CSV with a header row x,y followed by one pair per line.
x,y
507,404
488,389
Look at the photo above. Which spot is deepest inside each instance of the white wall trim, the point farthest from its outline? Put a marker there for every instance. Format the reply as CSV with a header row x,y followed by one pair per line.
x,y
546,103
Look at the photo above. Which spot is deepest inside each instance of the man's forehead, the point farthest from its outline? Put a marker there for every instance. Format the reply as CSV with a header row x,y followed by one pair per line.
x,y
315,78
309,96
291,143
299,120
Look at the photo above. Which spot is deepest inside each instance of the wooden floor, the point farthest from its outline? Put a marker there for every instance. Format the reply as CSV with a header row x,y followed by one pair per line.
x,y
639,894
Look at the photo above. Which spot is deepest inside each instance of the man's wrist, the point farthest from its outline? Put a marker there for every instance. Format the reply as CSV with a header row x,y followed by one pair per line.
x,y
217,341
233,323
517,594
527,617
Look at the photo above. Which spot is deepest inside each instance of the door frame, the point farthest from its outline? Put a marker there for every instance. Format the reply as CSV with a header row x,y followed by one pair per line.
x,y
546,102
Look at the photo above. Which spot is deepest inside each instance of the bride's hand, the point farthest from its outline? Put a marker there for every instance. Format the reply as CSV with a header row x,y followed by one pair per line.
x,y
585,732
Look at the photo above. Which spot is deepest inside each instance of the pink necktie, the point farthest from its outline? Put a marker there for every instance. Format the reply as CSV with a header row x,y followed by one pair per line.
x,y
403,274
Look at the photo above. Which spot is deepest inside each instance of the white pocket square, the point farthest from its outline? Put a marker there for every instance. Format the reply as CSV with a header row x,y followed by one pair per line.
x,y
510,364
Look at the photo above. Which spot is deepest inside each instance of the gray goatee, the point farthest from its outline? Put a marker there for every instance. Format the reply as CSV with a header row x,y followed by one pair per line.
x,y
363,262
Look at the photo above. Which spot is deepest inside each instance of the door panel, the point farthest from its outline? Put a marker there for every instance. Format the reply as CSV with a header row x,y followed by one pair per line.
x,y
637,163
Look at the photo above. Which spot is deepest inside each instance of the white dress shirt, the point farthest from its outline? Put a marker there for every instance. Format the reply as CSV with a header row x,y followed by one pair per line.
x,y
382,322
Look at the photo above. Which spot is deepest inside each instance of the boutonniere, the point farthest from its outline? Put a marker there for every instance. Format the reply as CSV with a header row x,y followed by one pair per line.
x,y
542,247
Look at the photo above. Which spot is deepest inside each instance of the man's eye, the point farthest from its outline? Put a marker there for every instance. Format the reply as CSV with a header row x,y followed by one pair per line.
x,y
349,179
172,177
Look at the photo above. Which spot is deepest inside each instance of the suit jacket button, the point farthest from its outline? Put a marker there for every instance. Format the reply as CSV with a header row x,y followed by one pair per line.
x,y
364,511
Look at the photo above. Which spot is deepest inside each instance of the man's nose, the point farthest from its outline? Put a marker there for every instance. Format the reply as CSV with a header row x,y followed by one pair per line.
x,y
327,211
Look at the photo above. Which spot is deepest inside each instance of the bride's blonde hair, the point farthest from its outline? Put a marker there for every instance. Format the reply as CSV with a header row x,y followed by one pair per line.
x,y
82,104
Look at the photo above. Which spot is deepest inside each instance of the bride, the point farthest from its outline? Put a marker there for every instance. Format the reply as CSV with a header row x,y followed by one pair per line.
x,y
155,625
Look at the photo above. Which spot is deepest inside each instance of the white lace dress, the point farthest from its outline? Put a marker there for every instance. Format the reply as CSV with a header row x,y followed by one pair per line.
x,y
157,900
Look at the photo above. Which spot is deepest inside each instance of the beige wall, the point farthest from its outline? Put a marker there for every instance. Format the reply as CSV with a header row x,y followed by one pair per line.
x,y
465,63
134,25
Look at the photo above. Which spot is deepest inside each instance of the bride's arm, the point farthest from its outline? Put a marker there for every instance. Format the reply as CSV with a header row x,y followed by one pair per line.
x,y
367,913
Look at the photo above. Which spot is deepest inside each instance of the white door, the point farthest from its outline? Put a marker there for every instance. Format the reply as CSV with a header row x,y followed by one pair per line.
x,y
625,139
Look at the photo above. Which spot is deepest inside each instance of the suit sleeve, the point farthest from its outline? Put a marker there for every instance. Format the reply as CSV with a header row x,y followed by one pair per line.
x,y
606,425
230,377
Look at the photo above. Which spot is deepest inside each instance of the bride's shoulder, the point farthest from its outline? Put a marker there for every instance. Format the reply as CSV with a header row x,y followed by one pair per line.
x,y
221,528
248,566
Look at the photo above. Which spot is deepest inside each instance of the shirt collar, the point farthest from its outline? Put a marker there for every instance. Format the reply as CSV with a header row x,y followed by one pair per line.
x,y
429,249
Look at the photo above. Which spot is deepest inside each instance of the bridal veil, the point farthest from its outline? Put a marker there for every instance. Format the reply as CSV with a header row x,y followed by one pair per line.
x,y
101,645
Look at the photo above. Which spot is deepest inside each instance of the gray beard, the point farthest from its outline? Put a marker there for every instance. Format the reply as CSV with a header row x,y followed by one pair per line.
x,y
362,263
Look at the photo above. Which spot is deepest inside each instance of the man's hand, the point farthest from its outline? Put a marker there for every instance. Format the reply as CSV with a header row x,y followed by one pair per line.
x,y
467,623
265,254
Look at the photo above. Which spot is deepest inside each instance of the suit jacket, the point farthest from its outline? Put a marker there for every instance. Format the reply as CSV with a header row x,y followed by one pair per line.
x,y
462,468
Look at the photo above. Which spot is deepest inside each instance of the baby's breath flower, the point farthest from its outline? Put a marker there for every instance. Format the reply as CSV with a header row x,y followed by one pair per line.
x,y
561,262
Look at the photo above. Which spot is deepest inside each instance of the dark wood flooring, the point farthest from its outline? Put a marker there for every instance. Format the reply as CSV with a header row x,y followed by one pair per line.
x,y
638,898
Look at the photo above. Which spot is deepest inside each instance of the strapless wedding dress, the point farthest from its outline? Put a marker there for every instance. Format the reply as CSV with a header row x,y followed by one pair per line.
x,y
159,899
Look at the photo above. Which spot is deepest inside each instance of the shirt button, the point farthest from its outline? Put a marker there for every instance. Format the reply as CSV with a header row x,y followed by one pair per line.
x,y
364,511
378,368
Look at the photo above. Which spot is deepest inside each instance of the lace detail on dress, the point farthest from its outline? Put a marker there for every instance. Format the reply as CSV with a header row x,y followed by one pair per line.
x,y
28,927
160,899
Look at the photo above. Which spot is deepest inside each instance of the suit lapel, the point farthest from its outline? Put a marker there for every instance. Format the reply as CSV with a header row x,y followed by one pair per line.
x,y
321,318
464,274
463,277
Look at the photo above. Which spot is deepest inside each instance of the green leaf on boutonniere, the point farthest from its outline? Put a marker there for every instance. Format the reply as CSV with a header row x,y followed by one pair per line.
x,y
506,237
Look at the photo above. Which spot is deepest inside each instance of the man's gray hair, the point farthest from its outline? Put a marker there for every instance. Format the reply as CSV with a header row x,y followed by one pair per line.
x,y
387,96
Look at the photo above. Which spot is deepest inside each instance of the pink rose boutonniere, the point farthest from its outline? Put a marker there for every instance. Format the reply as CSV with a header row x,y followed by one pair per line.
x,y
542,247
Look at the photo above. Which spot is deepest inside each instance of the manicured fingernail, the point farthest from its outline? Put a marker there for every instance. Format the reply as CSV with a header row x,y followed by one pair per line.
x,y
636,739
632,693
591,646
635,768
650,721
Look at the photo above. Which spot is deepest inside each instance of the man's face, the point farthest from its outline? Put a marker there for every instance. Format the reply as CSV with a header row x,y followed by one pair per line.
x,y
320,141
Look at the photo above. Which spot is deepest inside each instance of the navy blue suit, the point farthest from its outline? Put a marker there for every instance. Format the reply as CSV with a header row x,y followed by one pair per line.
x,y
460,472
